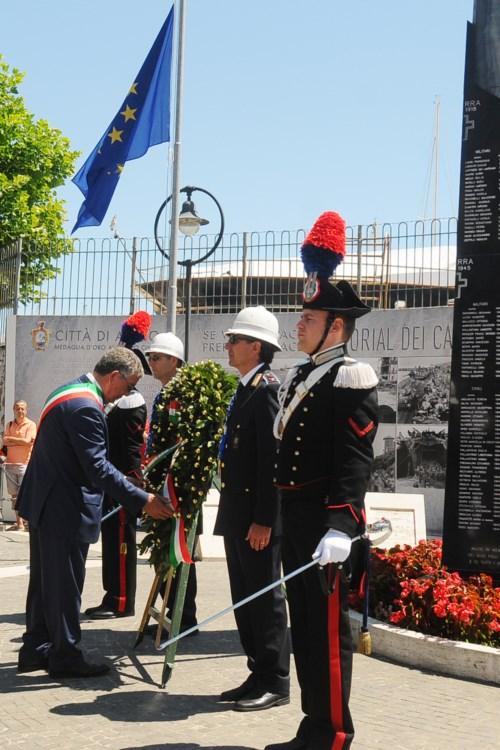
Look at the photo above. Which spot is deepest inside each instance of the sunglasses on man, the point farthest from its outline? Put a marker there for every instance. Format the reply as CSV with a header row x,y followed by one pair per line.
x,y
235,338
154,357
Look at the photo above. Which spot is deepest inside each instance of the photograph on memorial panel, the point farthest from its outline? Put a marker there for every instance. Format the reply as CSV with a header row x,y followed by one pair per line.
x,y
384,449
387,373
421,454
423,390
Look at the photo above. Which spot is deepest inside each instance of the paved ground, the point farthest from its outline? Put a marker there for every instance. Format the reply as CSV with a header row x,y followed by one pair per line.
x,y
395,708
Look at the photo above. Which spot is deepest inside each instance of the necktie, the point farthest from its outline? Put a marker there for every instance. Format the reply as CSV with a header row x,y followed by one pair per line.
x,y
223,440
153,421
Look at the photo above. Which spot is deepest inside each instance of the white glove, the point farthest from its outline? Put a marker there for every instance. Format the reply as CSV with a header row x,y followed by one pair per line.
x,y
334,547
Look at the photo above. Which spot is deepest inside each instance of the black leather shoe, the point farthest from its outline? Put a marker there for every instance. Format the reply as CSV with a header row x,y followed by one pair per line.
x,y
258,701
100,613
295,744
79,668
32,663
237,693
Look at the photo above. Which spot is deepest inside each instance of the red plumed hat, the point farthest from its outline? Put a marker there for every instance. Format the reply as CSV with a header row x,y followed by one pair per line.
x,y
322,251
324,247
134,330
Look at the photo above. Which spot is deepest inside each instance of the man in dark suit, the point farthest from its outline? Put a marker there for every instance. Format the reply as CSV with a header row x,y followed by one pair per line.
x,y
61,497
249,515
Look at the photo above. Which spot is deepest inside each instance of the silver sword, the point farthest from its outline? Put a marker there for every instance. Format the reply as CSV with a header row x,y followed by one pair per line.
x,y
383,525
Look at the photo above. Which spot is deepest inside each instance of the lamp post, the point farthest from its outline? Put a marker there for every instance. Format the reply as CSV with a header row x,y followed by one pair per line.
x,y
189,224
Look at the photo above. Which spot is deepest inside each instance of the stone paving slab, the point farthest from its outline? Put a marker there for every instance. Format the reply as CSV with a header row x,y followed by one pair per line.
x,y
394,707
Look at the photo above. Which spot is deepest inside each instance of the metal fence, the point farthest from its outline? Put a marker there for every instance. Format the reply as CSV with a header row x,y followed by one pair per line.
x,y
10,269
411,263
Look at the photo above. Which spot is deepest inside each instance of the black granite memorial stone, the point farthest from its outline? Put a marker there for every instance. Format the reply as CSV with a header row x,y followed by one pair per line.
x,y
471,531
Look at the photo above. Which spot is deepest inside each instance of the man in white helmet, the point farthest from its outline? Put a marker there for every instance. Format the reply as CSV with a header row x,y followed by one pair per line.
x,y
249,516
165,356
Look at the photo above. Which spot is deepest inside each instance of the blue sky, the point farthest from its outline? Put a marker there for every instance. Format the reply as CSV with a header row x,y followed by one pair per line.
x,y
291,107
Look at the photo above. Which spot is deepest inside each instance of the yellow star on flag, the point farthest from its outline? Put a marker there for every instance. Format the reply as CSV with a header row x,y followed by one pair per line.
x,y
133,88
120,168
115,135
129,113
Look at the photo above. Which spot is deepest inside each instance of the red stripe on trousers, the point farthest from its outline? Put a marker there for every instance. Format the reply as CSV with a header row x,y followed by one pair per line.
x,y
122,599
335,667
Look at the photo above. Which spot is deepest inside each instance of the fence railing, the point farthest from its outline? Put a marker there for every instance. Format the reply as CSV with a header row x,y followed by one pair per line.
x,y
410,262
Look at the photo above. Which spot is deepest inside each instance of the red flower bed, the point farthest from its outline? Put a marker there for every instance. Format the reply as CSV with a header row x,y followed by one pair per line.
x,y
410,588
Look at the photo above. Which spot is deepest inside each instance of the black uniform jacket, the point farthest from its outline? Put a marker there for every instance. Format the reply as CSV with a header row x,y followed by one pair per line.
x,y
126,424
248,494
126,419
326,450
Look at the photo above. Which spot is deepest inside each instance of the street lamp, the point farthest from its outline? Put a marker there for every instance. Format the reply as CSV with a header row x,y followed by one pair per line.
x,y
189,221
189,224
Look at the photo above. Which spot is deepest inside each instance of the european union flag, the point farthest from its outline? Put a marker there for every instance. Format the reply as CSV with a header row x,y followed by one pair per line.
x,y
142,121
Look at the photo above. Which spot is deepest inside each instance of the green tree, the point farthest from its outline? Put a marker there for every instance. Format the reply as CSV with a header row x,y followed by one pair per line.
x,y
34,160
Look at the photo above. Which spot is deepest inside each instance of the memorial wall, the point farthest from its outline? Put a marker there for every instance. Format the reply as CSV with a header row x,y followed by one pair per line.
x,y
471,534
410,349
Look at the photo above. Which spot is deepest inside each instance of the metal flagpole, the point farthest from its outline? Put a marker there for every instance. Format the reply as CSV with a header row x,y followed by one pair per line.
x,y
174,230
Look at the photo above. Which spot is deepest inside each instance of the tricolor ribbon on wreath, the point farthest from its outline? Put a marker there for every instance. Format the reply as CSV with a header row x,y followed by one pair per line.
x,y
179,552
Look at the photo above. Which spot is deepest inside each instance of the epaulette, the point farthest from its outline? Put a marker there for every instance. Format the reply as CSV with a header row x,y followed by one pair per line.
x,y
267,378
353,374
131,401
256,380
270,378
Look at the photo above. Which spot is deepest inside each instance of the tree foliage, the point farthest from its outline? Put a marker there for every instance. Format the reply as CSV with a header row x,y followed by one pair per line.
x,y
34,160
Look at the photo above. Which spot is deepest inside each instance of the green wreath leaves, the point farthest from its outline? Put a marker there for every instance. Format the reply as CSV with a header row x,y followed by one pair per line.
x,y
191,412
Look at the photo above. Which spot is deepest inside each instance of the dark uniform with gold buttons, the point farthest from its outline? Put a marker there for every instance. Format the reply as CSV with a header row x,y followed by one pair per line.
x,y
323,469
126,424
248,496
326,425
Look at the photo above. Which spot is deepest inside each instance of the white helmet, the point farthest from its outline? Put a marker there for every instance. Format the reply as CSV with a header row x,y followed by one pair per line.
x,y
258,323
167,343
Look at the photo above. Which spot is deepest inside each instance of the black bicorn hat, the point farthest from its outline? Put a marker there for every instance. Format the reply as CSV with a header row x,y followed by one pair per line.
x,y
134,330
323,249
336,298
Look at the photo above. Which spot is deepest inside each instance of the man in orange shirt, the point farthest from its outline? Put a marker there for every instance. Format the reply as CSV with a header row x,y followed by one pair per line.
x,y
18,439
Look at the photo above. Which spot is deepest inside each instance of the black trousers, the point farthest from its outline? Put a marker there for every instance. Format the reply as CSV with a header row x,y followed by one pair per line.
x,y
119,562
57,575
321,633
262,624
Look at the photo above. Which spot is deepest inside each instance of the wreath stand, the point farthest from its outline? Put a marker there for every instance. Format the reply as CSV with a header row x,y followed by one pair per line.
x,y
172,625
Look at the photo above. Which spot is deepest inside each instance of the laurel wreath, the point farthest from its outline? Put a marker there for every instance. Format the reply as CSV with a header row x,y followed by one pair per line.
x,y
191,413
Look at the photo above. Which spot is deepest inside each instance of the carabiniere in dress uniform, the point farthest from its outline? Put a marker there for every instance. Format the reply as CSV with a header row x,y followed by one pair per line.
x,y
325,425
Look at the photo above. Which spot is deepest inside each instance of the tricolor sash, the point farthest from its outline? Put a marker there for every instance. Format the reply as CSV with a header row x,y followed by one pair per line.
x,y
89,391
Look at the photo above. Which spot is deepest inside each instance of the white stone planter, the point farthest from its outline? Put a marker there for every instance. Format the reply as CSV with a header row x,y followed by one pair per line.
x,y
6,513
466,660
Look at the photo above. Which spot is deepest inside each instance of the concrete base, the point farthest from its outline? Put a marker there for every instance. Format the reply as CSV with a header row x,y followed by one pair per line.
x,y
7,514
212,547
467,660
